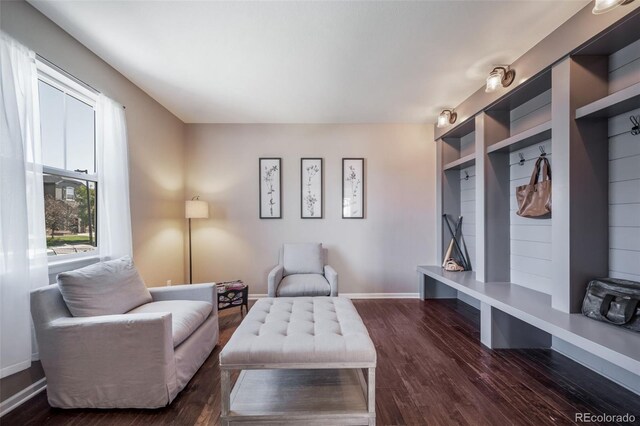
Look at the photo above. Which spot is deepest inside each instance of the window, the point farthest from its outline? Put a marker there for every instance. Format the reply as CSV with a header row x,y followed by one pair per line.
x,y
67,124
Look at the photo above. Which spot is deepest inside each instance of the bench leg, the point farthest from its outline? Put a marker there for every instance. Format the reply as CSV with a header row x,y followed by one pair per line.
x,y
225,394
499,330
432,289
371,395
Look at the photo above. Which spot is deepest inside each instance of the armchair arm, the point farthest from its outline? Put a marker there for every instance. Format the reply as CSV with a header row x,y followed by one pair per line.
x,y
201,292
109,361
332,276
274,278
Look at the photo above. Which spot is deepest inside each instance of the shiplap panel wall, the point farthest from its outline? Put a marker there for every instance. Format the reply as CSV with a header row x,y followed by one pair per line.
x,y
467,144
531,113
624,172
624,67
468,210
530,238
624,198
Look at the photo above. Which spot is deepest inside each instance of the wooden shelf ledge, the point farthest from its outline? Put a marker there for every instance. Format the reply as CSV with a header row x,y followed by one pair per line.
x,y
614,104
532,136
614,344
461,163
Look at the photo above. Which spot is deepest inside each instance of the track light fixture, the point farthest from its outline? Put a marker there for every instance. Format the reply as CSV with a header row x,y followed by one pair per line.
x,y
500,76
447,117
604,6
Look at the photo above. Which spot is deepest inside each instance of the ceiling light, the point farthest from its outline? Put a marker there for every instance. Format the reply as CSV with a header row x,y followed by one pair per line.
x,y
604,6
447,117
500,76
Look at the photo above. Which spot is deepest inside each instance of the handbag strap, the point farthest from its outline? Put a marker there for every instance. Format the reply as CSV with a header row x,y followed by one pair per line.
x,y
546,169
536,171
629,309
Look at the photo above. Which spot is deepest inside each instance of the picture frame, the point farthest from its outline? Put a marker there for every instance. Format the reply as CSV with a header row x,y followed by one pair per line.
x,y
353,188
270,184
311,188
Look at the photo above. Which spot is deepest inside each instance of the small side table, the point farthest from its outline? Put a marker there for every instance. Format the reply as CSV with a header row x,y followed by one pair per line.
x,y
232,294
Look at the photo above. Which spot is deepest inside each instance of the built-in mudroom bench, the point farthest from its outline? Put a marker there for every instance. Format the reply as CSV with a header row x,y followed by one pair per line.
x,y
513,316
577,107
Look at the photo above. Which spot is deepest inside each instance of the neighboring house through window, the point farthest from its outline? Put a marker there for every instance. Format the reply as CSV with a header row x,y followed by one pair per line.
x,y
67,124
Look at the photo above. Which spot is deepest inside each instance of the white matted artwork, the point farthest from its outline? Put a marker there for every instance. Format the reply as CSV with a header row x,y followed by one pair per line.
x,y
311,177
353,188
270,188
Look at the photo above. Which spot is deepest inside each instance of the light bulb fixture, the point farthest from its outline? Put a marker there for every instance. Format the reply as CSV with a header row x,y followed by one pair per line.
x,y
604,6
500,76
447,117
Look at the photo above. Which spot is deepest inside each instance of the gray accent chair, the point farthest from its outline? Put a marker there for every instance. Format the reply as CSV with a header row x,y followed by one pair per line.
x,y
302,271
140,358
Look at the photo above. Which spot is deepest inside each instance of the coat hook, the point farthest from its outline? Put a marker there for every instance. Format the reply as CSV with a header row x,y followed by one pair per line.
x,y
542,152
466,175
522,160
635,130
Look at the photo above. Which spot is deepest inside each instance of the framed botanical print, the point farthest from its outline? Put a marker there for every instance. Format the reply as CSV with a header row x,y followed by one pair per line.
x,y
311,186
270,188
353,188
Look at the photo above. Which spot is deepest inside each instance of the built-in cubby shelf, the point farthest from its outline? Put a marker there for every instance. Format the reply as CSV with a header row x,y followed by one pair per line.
x,y
461,163
616,103
536,270
539,133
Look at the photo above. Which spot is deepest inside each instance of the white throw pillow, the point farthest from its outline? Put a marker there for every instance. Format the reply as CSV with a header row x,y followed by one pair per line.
x,y
105,288
303,258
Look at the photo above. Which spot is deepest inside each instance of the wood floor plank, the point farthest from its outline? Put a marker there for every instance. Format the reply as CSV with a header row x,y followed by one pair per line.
x,y
432,370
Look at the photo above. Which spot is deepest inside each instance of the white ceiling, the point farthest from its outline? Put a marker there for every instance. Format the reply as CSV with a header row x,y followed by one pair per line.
x,y
308,62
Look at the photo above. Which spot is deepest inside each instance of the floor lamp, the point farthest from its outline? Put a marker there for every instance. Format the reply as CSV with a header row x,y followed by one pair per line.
x,y
195,209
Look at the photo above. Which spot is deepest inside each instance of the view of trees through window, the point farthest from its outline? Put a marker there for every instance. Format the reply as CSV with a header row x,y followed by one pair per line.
x,y
67,127
70,215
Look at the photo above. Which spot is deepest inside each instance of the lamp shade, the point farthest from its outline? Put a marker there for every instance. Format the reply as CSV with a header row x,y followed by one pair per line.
x,y
494,80
443,119
196,209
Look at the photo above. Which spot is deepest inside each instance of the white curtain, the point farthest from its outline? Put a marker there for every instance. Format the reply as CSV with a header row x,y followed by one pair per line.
x,y
114,215
23,251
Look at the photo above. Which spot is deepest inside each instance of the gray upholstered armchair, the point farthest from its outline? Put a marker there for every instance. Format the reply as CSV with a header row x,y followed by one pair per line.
x,y
303,271
106,341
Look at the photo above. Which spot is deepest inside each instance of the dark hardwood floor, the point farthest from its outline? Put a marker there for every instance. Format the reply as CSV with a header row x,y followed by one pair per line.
x,y
432,370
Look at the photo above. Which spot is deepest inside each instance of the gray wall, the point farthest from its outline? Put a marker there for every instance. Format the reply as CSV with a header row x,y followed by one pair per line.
x,y
624,67
375,255
468,210
624,172
156,160
624,199
530,237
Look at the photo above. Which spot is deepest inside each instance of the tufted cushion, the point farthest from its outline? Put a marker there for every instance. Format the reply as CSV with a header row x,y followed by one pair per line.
x,y
300,330
104,288
303,285
302,258
186,315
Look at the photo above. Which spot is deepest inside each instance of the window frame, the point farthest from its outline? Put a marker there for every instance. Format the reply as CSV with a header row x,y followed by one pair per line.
x,y
66,84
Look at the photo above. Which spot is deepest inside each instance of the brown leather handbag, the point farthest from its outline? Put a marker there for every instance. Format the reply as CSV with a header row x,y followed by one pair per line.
x,y
534,199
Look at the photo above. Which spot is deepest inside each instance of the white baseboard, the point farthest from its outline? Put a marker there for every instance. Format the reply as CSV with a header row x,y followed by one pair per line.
x,y
256,296
14,368
22,396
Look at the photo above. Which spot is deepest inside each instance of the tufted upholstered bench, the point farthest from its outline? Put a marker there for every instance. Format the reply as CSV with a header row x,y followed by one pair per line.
x,y
301,333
